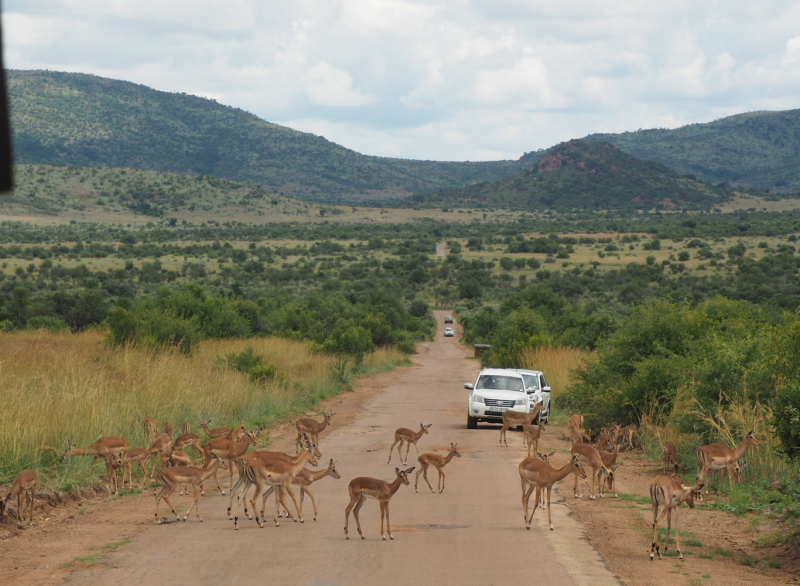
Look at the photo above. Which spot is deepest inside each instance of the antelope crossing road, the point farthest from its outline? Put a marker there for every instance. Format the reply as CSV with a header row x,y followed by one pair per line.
x,y
473,533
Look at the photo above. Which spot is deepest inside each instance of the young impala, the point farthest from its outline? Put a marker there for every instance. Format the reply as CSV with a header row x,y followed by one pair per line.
x,y
363,487
437,462
24,488
409,437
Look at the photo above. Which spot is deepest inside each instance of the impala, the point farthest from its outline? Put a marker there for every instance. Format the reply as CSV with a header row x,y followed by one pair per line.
x,y
576,421
666,495
169,429
511,418
24,488
149,428
628,435
115,461
608,480
718,457
186,428
437,462
531,436
306,478
273,473
591,457
189,440
140,456
364,487
409,437
577,435
98,449
671,457
171,478
229,450
312,428
161,444
224,432
537,474
307,456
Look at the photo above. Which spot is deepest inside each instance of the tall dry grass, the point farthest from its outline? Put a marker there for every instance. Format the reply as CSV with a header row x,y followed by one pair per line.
x,y
59,387
557,364
731,419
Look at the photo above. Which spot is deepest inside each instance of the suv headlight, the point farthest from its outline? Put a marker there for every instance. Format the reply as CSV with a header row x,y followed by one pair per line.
x,y
477,399
534,399
519,402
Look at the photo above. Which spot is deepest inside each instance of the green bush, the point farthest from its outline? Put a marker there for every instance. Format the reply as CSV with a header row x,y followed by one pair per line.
x,y
46,322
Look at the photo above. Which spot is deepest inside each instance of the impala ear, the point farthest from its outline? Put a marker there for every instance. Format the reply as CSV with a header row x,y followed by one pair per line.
x,y
397,471
410,470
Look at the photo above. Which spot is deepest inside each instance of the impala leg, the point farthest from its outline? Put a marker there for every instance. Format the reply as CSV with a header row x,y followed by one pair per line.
x,y
526,497
408,447
392,449
30,513
313,501
169,504
441,478
677,537
241,497
669,527
575,488
216,479
353,500
416,478
359,504
256,494
655,533
388,528
288,488
425,476
549,513
383,513
236,487
194,504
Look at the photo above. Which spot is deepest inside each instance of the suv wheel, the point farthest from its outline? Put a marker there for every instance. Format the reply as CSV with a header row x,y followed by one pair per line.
x,y
472,422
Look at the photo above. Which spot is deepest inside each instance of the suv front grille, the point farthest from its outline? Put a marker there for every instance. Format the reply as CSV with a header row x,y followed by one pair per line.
x,y
499,403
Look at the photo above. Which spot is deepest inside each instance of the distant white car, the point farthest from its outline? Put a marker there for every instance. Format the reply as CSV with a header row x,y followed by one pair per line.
x,y
449,332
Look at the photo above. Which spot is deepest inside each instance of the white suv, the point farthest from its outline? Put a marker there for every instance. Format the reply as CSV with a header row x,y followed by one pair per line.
x,y
537,389
497,390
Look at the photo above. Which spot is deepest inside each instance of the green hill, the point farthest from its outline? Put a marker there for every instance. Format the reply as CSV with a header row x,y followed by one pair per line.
x,y
105,193
758,149
73,119
583,176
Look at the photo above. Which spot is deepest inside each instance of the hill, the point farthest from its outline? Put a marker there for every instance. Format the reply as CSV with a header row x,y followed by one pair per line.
x,y
757,149
584,175
100,193
73,119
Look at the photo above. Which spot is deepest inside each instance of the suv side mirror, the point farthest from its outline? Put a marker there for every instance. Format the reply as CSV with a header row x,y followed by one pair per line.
x,y
469,386
546,389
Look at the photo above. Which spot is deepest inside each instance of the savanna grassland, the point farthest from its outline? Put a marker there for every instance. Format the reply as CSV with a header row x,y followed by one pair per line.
x,y
682,321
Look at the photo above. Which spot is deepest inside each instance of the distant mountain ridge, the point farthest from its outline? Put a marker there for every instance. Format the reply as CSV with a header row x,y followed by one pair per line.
x,y
756,149
74,119
580,175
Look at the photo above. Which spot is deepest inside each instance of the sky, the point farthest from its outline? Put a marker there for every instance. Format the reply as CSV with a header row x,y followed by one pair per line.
x,y
433,79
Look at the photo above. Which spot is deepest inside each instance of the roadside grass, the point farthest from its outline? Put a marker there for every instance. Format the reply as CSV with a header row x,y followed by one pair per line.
x,y
94,557
56,387
642,500
557,364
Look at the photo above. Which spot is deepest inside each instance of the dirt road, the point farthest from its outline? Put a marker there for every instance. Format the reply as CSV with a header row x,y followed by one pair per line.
x,y
473,533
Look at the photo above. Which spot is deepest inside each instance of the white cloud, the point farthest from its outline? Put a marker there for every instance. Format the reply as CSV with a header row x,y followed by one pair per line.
x,y
328,86
438,79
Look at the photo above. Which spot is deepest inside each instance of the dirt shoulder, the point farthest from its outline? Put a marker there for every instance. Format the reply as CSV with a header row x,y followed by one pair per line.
x,y
716,545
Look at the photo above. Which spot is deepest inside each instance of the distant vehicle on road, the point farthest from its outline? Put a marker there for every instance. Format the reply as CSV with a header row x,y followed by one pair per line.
x,y
448,319
449,332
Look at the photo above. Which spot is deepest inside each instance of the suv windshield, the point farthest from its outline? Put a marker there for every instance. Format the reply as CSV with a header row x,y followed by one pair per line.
x,y
531,382
499,383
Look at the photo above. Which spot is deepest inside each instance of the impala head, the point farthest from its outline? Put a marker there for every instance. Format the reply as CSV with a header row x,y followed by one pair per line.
x,y
737,471
204,425
69,451
546,457
690,492
311,448
328,416
454,449
609,477
403,474
332,469
750,439
425,428
577,466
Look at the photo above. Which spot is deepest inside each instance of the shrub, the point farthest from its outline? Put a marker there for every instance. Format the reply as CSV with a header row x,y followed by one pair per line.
x,y
46,322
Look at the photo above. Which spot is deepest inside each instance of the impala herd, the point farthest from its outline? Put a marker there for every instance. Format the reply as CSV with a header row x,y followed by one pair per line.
x,y
269,472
